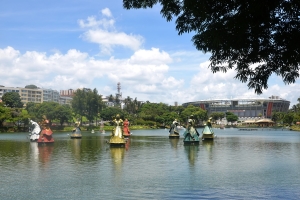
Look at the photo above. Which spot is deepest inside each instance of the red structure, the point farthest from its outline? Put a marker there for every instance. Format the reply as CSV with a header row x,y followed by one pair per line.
x,y
46,133
126,131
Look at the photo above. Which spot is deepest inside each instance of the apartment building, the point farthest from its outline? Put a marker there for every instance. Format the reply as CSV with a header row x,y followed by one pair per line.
x,y
35,95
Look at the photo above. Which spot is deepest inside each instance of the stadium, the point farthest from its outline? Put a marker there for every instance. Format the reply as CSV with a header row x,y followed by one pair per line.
x,y
244,108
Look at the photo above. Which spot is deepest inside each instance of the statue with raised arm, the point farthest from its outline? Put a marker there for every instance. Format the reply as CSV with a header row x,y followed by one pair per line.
x,y
35,133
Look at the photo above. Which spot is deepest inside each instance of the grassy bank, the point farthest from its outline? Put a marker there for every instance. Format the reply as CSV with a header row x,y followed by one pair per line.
x,y
70,128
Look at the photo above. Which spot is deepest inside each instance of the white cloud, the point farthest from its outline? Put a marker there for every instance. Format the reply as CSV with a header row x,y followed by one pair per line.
x,y
106,12
77,69
153,56
104,33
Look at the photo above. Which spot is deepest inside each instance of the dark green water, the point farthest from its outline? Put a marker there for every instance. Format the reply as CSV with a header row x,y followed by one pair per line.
x,y
262,164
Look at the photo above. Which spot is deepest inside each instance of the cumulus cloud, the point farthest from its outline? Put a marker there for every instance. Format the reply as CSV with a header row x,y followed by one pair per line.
x,y
103,32
74,69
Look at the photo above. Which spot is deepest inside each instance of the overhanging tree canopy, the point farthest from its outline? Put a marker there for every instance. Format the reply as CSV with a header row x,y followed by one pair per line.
x,y
240,33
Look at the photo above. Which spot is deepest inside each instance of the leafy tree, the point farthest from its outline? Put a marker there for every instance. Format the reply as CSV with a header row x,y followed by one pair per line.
x,y
19,116
32,109
110,112
169,117
288,118
278,116
79,102
12,100
149,111
92,104
63,113
49,109
111,98
198,113
31,87
217,115
239,34
230,117
5,114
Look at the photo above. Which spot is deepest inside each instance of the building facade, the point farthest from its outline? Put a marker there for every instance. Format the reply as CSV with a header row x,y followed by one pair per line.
x,y
36,95
244,107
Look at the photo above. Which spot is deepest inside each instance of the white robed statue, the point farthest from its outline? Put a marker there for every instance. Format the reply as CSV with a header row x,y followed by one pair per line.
x,y
35,133
118,127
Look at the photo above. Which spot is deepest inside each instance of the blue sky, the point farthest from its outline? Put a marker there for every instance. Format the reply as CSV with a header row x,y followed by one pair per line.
x,y
96,44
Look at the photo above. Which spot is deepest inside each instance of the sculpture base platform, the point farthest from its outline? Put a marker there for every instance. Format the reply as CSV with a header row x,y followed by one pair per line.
x,y
45,137
207,133
116,141
174,136
45,143
76,136
208,136
191,143
126,136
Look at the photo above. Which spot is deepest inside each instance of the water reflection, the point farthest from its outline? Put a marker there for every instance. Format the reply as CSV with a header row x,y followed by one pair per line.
x,y
117,155
208,144
174,142
34,152
192,153
76,145
237,165
127,144
45,152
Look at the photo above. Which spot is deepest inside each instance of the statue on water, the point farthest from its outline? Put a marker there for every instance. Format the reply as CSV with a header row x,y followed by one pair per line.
x,y
191,135
174,132
46,133
117,137
35,133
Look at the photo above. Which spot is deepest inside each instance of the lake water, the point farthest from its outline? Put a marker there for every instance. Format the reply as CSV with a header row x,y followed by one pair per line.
x,y
263,164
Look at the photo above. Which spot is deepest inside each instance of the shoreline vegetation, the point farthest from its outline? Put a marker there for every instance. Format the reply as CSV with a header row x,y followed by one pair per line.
x,y
134,127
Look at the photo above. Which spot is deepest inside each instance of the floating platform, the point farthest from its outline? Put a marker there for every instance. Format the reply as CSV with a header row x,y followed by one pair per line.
x,y
191,143
207,133
208,136
76,136
116,141
126,136
174,136
45,143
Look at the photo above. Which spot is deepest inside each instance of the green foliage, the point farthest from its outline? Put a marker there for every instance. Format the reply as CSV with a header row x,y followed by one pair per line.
x,y
12,100
239,34
5,114
198,113
288,118
110,112
230,117
149,110
132,106
48,109
217,115
19,117
63,113
277,116
31,87
87,103
31,109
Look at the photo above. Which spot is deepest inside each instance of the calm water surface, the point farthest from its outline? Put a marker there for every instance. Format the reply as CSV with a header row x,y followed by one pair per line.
x,y
262,164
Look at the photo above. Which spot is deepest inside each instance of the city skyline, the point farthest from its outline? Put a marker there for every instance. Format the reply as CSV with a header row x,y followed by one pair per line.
x,y
90,44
